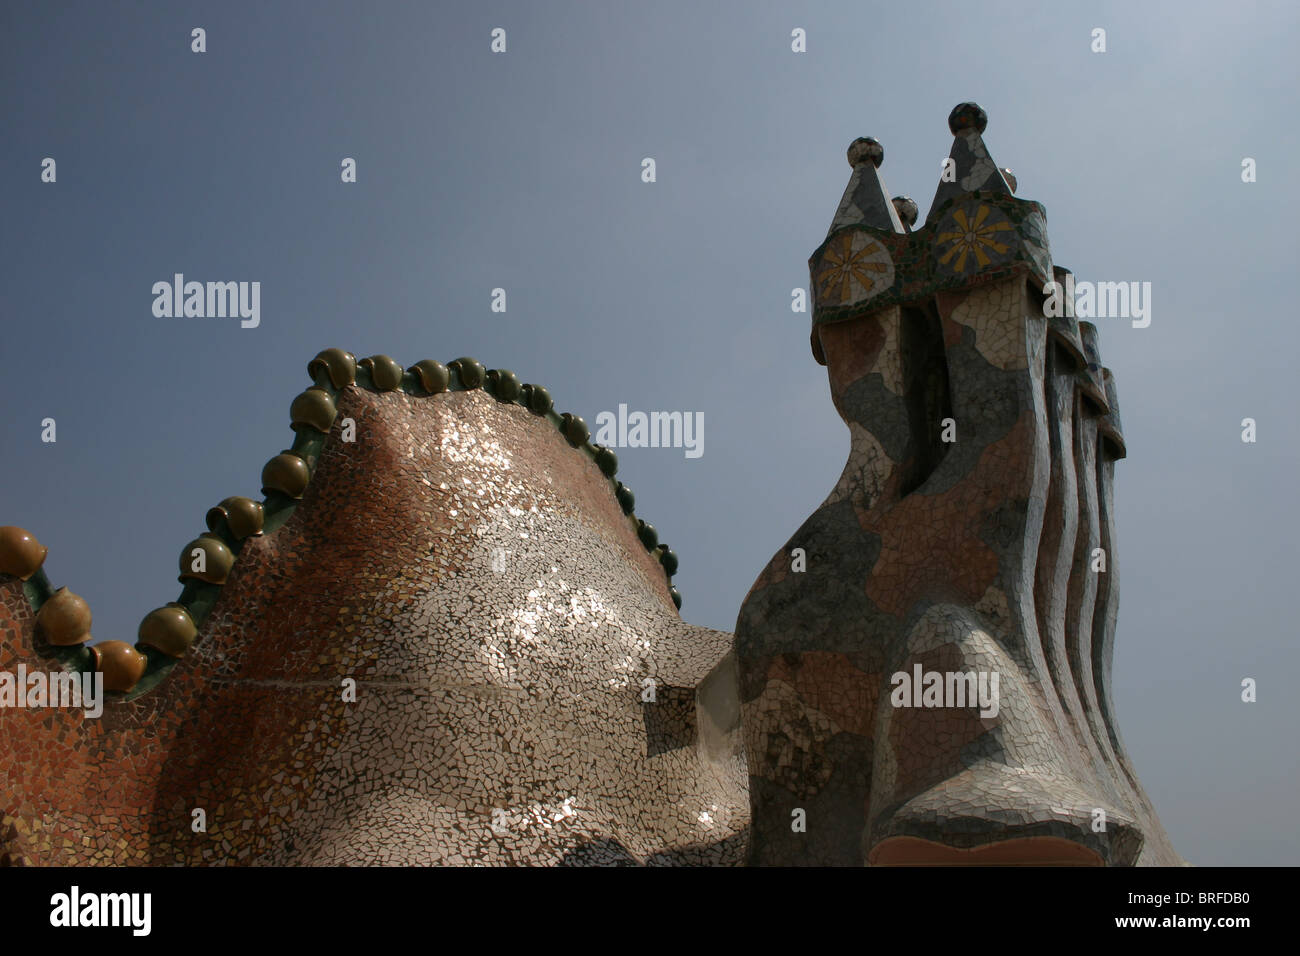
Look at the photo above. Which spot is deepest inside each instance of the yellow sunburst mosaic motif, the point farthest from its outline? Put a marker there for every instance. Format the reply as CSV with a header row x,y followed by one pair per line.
x,y
975,235
853,267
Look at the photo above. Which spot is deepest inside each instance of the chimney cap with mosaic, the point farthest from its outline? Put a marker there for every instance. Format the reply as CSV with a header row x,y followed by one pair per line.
x,y
976,231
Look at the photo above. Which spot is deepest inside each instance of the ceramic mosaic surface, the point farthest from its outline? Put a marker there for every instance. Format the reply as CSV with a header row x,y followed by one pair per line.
x,y
445,637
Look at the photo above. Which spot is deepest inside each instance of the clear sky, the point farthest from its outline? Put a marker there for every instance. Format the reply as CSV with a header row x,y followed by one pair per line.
x,y
522,170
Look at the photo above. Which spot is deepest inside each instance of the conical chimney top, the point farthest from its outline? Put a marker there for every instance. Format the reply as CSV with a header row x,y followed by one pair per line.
x,y
971,168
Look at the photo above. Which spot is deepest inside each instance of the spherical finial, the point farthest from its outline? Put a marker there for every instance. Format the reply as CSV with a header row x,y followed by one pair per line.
x,y
865,148
967,116
1010,177
907,210
20,554
64,619
120,663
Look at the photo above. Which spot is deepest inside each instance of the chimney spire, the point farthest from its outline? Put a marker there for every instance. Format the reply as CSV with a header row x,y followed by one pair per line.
x,y
971,167
866,202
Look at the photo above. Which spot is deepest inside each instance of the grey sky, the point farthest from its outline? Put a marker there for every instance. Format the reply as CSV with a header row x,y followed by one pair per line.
x,y
522,170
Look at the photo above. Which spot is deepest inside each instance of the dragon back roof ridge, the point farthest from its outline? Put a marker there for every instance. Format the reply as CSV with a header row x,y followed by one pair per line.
x,y
165,634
